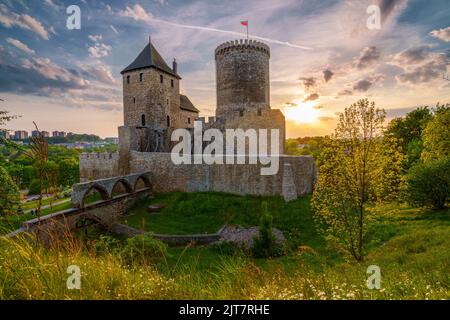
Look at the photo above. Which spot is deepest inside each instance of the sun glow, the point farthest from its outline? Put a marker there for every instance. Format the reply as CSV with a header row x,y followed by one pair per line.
x,y
302,112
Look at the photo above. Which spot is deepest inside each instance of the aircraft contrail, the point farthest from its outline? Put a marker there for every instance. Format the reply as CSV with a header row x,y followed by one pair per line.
x,y
186,26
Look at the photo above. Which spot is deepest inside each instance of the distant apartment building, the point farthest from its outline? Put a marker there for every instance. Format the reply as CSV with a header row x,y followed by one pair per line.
x,y
5,134
35,133
20,135
58,134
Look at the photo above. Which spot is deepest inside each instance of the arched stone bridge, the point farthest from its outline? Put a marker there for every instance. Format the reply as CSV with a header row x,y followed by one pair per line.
x,y
106,211
105,187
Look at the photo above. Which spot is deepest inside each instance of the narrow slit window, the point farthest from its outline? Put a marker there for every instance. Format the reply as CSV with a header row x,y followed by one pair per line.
x,y
128,79
141,77
161,78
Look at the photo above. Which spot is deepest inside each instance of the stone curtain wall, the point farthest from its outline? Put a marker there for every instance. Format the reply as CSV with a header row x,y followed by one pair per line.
x,y
95,166
238,178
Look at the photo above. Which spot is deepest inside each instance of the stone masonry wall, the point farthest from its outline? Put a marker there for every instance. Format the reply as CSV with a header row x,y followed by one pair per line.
x,y
242,76
95,166
238,178
150,97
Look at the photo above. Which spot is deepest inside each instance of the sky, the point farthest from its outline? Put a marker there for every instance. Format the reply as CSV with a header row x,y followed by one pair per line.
x,y
325,55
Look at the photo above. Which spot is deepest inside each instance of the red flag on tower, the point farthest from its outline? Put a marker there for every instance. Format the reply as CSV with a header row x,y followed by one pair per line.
x,y
245,24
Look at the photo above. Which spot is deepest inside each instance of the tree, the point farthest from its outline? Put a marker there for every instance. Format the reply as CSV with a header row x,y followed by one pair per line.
x,y
348,169
9,193
408,130
436,136
38,153
428,183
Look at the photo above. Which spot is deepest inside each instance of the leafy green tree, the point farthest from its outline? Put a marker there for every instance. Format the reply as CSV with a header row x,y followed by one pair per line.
x,y
9,193
436,136
428,183
348,169
69,172
408,130
388,183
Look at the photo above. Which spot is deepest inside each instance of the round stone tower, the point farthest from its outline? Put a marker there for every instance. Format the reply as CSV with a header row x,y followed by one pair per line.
x,y
242,77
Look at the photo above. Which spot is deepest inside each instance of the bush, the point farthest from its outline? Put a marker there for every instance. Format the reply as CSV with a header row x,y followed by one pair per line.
x,y
428,183
266,245
143,248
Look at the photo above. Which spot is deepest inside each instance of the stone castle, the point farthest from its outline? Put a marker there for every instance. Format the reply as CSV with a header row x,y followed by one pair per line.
x,y
154,108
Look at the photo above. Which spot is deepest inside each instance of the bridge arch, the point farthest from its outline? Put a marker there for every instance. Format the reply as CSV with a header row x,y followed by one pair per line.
x,y
100,189
142,179
125,184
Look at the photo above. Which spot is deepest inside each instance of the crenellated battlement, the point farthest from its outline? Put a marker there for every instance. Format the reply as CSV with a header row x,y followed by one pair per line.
x,y
99,155
242,44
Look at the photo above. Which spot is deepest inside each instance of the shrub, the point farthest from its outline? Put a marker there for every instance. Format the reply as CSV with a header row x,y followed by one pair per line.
x,y
266,245
143,248
428,183
106,244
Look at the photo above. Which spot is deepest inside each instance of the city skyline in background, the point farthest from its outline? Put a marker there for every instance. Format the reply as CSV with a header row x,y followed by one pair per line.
x,y
323,57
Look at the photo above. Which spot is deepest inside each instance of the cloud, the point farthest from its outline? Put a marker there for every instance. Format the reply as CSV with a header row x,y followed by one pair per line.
x,y
424,73
95,38
138,13
24,21
428,67
367,58
327,74
345,92
99,72
98,50
363,85
411,56
442,34
308,82
20,45
312,97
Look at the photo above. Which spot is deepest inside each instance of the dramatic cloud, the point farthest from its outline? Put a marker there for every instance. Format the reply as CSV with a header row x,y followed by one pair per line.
x,y
20,45
308,82
442,34
365,84
98,50
327,75
346,92
24,21
368,57
311,97
99,72
424,73
136,13
410,56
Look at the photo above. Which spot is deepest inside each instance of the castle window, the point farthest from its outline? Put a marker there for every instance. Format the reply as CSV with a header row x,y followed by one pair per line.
x,y
134,99
259,112
189,120
128,79
241,113
143,120
161,78
141,77
171,83
168,121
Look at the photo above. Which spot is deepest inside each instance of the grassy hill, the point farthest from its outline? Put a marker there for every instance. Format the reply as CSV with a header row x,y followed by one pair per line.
x,y
411,247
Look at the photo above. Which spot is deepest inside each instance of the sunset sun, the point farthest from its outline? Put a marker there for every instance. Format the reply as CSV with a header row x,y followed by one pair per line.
x,y
302,112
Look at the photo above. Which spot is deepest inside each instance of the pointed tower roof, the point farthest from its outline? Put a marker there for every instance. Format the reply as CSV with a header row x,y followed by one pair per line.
x,y
150,58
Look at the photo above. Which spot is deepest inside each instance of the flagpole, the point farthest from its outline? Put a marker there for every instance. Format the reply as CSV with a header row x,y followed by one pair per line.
x,y
247,30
